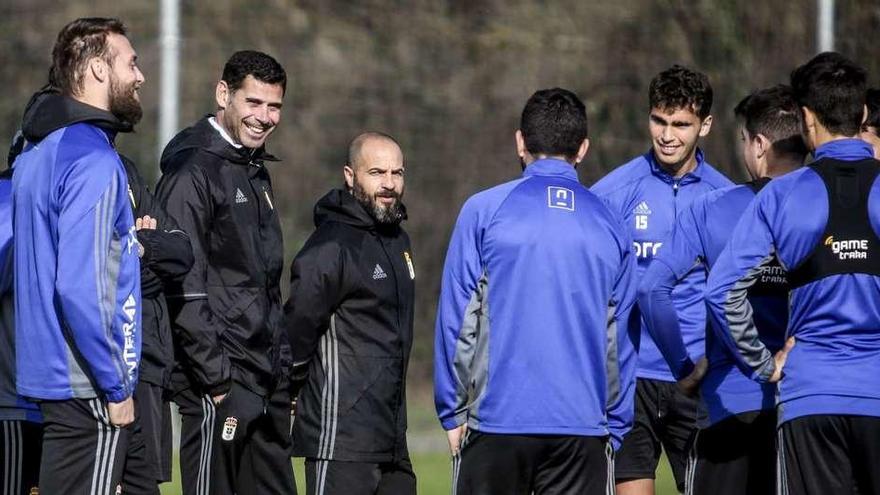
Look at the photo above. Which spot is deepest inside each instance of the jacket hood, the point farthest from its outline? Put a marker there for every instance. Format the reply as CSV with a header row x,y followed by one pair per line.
x,y
340,206
48,111
203,136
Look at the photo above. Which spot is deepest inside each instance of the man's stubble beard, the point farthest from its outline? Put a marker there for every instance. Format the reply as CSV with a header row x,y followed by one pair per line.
x,y
383,215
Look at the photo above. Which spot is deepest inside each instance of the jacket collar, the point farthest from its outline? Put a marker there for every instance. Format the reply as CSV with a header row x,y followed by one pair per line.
x,y
693,176
844,149
551,167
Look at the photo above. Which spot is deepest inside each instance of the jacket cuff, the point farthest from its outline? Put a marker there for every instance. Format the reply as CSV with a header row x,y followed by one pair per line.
x,y
118,395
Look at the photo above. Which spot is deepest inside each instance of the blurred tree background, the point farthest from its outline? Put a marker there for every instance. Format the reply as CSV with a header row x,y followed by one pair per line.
x,y
448,79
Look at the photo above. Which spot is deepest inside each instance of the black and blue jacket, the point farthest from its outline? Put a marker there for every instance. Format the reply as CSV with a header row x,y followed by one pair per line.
x,y
701,232
835,275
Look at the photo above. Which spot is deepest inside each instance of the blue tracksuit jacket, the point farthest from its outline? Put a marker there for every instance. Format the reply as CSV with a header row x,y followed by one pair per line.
x,y
76,268
532,330
835,320
649,199
12,407
701,232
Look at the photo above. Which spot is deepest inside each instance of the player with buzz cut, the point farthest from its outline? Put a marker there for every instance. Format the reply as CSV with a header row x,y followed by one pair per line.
x,y
647,192
735,453
821,222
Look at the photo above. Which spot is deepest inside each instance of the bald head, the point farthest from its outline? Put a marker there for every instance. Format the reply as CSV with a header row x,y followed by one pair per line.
x,y
367,147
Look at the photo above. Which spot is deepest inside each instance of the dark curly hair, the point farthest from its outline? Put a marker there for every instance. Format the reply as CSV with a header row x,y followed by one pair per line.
x,y
245,63
679,87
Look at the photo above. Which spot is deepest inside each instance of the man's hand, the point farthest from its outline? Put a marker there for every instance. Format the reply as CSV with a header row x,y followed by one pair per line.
x,y
146,222
121,413
689,384
455,436
780,359
219,398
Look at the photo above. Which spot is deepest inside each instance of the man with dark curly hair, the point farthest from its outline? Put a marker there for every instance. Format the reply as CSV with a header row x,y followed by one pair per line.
x,y
647,192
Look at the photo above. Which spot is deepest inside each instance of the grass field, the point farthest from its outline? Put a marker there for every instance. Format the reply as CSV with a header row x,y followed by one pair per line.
x,y
430,457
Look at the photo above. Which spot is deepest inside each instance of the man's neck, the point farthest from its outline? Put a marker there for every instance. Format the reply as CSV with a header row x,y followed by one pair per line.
x,y
823,136
779,166
217,123
680,169
93,97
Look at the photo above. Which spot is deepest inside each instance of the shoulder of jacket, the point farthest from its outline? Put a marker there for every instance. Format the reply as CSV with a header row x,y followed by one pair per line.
x,y
623,177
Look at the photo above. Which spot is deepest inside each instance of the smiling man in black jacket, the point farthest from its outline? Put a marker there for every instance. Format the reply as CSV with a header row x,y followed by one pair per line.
x,y
233,396
349,319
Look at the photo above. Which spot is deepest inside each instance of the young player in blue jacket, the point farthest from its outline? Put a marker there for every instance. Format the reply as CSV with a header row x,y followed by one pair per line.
x,y
648,192
821,223
735,453
76,268
534,361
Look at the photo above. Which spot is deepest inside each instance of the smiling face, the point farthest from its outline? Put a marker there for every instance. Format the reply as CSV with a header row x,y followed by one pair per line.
x,y
125,80
674,136
250,113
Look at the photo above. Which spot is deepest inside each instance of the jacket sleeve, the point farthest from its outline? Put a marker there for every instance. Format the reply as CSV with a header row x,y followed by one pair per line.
x,y
737,268
655,292
185,195
459,318
95,237
316,289
624,326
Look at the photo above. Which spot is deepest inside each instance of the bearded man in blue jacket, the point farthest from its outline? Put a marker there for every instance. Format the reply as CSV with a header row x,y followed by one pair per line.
x,y
648,192
821,223
76,268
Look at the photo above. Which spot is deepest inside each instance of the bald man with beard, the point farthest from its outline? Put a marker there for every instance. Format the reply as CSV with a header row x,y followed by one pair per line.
x,y
349,319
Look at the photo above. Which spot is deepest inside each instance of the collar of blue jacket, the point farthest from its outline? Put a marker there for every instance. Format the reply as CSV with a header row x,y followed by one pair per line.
x,y
551,166
660,172
844,149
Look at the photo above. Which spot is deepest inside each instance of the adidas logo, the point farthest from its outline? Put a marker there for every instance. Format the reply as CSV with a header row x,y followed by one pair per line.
x,y
642,209
240,197
379,273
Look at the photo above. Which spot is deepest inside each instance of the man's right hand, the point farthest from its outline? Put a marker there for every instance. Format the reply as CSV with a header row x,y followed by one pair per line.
x,y
455,436
121,413
689,384
779,360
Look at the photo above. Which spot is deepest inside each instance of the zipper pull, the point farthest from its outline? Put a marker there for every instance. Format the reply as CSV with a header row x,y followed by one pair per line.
x,y
268,199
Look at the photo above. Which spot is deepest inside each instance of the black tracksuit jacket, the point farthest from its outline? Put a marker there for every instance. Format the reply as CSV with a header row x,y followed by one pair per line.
x,y
227,311
350,323
167,254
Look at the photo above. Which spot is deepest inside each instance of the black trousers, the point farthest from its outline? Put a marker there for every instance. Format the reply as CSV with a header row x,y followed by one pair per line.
x,y
154,414
21,442
736,456
359,478
240,446
84,454
491,464
665,420
825,454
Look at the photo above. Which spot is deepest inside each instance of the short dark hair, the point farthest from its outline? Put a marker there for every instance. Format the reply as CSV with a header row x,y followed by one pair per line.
x,y
680,87
554,122
774,113
245,63
77,43
832,87
872,101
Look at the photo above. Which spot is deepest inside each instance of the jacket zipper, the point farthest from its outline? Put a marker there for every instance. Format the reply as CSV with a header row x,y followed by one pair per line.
x,y
400,343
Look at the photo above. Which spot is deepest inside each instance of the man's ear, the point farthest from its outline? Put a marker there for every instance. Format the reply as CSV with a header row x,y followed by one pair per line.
x,y
582,151
221,94
348,173
706,126
99,69
520,144
764,144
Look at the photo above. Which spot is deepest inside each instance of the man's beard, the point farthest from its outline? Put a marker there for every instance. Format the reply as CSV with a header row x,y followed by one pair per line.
x,y
383,215
123,103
